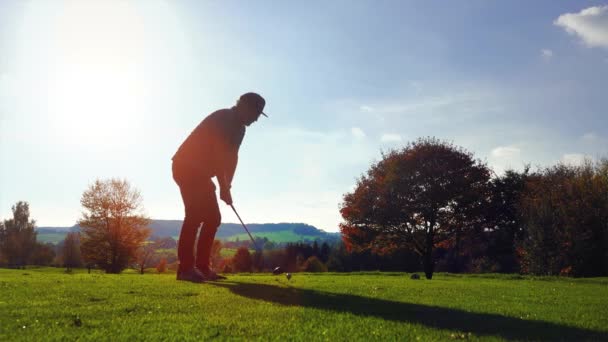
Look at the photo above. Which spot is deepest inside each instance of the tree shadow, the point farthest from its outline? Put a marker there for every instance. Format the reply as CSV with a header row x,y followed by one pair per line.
x,y
432,316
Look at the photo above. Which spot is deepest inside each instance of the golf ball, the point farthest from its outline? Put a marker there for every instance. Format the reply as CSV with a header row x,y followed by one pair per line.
x,y
288,275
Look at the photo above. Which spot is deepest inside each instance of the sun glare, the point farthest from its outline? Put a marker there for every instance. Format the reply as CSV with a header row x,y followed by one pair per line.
x,y
95,90
93,105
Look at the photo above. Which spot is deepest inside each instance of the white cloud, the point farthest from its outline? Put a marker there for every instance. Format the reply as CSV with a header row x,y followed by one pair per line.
x,y
590,24
590,137
575,158
546,53
436,109
504,158
389,137
366,109
357,132
506,152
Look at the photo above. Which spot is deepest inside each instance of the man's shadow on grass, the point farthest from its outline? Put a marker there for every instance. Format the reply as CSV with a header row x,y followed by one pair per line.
x,y
431,316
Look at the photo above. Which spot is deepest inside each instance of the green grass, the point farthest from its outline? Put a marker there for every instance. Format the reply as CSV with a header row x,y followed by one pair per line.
x,y
47,304
278,237
54,238
230,252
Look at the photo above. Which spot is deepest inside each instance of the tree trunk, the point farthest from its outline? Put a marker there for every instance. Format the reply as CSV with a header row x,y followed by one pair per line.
x,y
429,264
456,266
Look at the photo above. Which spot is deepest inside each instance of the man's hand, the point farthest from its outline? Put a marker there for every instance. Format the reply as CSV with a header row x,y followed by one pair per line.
x,y
226,196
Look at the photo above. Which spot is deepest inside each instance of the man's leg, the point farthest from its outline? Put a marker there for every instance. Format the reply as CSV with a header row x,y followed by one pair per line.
x,y
211,222
187,236
191,196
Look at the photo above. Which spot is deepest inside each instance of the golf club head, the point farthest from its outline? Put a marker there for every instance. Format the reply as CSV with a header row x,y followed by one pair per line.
x,y
277,270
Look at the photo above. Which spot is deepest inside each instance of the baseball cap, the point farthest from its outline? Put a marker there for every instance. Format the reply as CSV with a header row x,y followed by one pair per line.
x,y
254,100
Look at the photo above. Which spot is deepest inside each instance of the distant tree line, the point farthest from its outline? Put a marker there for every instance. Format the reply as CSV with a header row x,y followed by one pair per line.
x,y
429,206
435,199
113,233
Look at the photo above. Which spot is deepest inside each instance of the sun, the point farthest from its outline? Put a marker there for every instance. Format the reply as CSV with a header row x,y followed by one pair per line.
x,y
92,104
95,88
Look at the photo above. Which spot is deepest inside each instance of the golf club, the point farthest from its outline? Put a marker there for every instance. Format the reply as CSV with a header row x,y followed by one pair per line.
x,y
244,226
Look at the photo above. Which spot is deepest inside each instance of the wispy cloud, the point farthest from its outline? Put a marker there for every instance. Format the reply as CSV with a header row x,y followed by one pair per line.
x,y
590,24
504,158
419,105
366,109
575,158
590,137
390,137
357,132
546,53
506,152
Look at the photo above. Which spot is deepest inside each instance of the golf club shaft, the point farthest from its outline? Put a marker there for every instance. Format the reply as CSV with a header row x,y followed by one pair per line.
x,y
244,226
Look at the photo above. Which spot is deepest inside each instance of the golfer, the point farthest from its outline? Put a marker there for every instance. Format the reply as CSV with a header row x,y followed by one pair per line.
x,y
211,150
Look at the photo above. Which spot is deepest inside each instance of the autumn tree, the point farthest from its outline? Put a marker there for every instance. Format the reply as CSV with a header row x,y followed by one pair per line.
x,y
71,256
216,254
505,231
161,267
416,196
242,260
112,225
565,214
313,264
146,253
17,236
43,254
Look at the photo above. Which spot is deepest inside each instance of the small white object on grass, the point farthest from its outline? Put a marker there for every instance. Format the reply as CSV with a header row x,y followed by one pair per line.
x,y
288,275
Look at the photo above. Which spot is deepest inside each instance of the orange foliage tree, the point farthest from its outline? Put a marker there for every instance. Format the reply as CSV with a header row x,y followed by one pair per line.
x,y
416,197
113,225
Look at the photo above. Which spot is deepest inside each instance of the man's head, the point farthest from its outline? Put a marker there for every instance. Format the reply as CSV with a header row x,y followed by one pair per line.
x,y
250,106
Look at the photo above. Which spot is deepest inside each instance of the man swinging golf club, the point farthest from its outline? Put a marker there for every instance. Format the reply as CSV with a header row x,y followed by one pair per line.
x,y
211,150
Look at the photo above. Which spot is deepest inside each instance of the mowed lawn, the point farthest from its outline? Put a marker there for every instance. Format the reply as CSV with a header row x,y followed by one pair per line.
x,y
47,304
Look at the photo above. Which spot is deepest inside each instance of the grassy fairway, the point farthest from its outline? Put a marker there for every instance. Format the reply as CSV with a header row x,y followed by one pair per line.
x,y
278,237
46,304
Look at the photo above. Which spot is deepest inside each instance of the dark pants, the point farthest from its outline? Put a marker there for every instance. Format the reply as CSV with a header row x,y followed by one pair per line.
x,y
200,203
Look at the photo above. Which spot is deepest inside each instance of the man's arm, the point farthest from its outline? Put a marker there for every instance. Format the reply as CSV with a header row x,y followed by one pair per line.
x,y
229,140
227,169
228,161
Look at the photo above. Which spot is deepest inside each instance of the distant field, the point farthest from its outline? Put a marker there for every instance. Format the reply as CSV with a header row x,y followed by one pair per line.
x,y
50,237
280,236
47,304
230,252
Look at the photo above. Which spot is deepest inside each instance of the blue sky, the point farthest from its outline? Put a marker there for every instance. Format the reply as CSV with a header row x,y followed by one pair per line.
x,y
110,89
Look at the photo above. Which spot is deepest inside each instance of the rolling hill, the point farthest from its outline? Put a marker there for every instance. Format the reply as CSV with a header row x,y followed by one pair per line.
x,y
277,232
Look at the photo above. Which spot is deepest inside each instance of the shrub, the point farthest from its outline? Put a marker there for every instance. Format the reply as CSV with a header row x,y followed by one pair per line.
x,y
242,261
313,264
162,266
